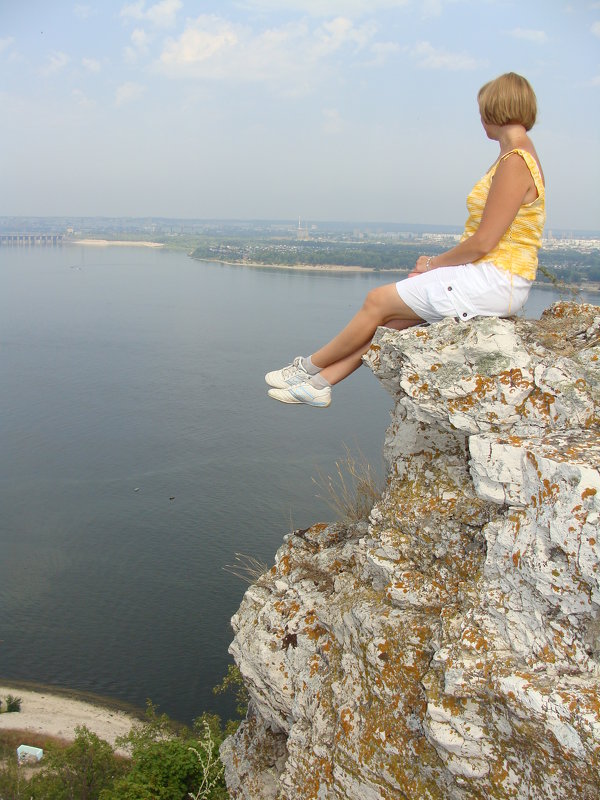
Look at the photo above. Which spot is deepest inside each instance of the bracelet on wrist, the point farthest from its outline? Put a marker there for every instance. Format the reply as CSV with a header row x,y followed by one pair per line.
x,y
428,263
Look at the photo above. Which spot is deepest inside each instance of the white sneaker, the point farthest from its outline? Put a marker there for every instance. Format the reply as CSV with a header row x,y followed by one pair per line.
x,y
288,376
303,393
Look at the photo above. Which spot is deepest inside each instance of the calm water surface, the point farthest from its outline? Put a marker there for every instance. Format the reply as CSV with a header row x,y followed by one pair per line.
x,y
140,453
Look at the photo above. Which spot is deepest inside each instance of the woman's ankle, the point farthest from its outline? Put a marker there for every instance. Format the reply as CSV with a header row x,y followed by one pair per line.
x,y
319,382
308,365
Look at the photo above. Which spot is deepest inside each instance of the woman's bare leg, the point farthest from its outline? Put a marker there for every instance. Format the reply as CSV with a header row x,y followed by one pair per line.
x,y
382,305
336,372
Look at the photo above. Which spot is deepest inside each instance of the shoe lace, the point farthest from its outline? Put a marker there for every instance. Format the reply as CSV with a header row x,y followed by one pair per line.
x,y
293,368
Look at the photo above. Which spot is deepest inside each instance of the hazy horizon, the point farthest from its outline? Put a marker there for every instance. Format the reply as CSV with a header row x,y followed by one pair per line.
x,y
314,225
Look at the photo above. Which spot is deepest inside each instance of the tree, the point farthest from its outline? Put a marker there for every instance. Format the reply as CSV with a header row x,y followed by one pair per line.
x,y
78,772
170,763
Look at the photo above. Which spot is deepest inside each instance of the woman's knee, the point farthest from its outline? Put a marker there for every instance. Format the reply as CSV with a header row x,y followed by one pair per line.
x,y
382,302
375,301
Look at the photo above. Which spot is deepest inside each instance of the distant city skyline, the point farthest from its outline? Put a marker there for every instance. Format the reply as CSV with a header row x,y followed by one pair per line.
x,y
100,226
362,110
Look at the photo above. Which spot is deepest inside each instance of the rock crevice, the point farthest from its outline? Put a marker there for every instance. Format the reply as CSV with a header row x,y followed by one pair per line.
x,y
448,646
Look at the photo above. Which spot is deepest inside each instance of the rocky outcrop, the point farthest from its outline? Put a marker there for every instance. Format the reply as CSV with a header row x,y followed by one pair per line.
x,y
448,646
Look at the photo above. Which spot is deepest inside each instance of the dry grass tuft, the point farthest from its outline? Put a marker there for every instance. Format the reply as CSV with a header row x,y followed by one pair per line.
x,y
247,568
352,492
565,289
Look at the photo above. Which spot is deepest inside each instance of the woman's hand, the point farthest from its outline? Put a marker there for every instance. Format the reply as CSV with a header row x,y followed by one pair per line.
x,y
421,266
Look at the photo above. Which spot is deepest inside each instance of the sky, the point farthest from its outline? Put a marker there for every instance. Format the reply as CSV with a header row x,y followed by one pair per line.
x,y
349,110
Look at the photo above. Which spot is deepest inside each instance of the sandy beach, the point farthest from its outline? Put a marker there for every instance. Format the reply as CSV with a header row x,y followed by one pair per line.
x,y
110,242
57,714
301,267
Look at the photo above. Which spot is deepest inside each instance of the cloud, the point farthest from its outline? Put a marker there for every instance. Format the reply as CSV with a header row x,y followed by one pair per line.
x,y
432,8
203,40
56,63
327,8
91,64
140,39
380,52
127,93
8,49
341,31
429,57
6,43
287,56
596,28
332,121
82,99
161,15
538,37
140,44
83,11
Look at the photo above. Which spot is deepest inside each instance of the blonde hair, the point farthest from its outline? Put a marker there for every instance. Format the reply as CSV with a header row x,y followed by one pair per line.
x,y
508,100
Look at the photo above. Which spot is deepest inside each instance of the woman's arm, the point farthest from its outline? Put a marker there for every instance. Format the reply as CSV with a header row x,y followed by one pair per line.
x,y
510,184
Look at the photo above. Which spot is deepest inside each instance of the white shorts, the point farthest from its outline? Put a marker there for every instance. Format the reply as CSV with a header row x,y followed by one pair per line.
x,y
469,290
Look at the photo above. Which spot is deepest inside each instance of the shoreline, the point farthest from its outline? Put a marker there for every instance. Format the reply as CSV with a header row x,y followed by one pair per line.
x,y
56,712
113,242
303,267
568,287
588,287
342,268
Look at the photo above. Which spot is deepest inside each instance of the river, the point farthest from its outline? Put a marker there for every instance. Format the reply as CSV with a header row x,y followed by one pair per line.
x,y
140,454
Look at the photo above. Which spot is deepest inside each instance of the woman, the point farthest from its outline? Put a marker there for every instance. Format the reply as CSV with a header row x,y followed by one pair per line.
x,y
489,273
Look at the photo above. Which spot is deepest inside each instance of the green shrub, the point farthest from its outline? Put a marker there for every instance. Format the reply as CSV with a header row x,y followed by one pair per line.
x,y
233,682
171,763
210,765
167,761
13,786
13,703
80,771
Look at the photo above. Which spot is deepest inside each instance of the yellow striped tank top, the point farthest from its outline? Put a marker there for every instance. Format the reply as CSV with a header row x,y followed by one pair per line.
x,y
517,250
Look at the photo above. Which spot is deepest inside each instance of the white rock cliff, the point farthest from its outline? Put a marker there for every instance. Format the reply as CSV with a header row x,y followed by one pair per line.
x,y
448,646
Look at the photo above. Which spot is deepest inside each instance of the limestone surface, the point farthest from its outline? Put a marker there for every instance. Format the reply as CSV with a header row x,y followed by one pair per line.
x,y
449,645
